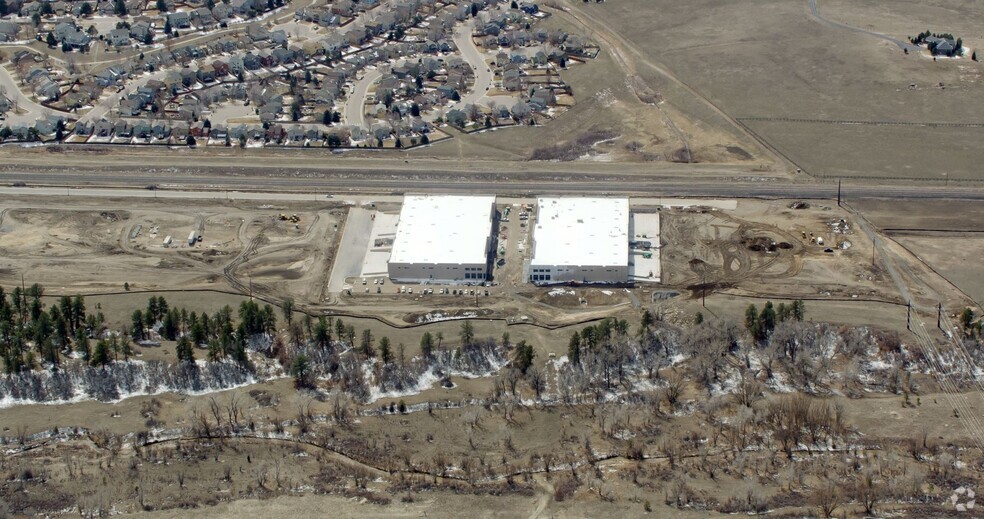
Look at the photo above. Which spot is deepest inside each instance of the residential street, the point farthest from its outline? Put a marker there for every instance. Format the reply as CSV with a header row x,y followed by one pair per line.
x,y
355,104
32,111
474,56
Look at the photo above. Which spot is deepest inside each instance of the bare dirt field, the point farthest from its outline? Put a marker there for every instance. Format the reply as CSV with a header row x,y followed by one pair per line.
x,y
146,245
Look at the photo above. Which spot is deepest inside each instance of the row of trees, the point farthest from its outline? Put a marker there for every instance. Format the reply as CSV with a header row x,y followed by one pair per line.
x,y
33,333
761,324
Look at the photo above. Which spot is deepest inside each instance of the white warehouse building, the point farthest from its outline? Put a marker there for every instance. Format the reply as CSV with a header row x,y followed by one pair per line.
x,y
581,240
443,239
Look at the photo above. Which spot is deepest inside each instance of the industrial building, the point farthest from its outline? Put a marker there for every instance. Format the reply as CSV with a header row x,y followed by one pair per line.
x,y
581,240
443,239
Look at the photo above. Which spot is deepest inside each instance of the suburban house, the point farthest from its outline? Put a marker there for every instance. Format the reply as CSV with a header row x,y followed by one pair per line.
x,y
9,31
118,37
179,20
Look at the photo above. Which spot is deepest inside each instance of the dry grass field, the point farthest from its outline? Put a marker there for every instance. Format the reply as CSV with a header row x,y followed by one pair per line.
x,y
771,59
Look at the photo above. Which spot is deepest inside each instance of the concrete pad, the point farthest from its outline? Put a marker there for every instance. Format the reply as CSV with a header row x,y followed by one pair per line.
x,y
352,249
380,245
644,227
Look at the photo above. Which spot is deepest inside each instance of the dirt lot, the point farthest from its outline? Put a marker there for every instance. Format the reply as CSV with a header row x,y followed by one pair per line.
x,y
239,243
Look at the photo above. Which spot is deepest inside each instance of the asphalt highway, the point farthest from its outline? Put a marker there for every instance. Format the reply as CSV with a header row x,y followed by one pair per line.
x,y
500,184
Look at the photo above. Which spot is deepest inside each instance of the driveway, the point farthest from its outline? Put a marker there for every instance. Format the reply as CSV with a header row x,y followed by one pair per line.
x,y
901,44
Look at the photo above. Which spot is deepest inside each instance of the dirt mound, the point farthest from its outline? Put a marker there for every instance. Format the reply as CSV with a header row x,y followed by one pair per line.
x,y
760,244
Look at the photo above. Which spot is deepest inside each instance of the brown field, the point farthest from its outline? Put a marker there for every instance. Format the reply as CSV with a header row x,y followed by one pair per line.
x,y
772,59
944,235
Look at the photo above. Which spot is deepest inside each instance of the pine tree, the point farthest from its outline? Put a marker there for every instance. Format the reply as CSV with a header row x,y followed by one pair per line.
x,y
82,344
137,325
287,307
100,357
366,345
126,347
523,356
385,352
427,345
767,321
467,333
300,369
184,350
752,321
574,349
799,310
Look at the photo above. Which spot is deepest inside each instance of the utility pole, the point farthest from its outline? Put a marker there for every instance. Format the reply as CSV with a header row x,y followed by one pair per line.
x,y
838,192
939,315
908,315
873,247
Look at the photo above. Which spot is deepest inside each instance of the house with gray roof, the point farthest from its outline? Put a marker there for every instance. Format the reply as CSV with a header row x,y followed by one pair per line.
x,y
118,37
179,20
9,31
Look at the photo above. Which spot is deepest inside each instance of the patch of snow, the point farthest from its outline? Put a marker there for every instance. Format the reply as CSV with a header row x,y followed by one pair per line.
x,y
560,291
434,317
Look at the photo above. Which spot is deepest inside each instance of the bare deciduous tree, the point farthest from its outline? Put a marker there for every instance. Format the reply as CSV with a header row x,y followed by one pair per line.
x,y
537,380
827,498
748,391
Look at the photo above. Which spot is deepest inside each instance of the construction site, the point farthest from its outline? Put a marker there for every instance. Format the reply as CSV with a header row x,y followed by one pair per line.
x,y
336,255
